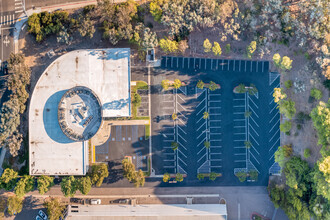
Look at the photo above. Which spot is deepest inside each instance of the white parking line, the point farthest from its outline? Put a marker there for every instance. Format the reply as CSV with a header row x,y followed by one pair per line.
x,y
200,135
240,126
254,130
240,154
183,115
274,126
271,102
239,133
274,144
255,158
205,155
273,136
273,108
239,161
254,139
271,157
240,147
238,106
200,102
168,140
214,107
238,113
215,146
239,100
273,117
182,138
181,130
201,126
239,140
210,114
182,161
181,153
182,122
252,147
202,142
253,102
239,119
201,111
254,121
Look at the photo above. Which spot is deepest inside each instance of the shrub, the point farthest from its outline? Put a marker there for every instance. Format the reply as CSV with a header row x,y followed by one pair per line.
x,y
200,176
213,86
253,175
286,126
240,88
288,84
207,46
213,176
183,46
247,114
228,48
247,144
287,107
165,84
175,145
200,84
207,144
206,115
251,48
307,153
316,93
179,177
177,83
286,63
174,116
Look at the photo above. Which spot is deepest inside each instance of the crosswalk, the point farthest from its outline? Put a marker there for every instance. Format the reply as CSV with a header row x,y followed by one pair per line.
x,y
10,19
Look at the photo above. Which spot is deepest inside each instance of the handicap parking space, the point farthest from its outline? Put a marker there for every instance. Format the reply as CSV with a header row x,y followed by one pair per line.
x,y
125,140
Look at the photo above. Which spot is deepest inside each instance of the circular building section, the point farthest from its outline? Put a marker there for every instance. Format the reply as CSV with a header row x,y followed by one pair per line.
x,y
79,113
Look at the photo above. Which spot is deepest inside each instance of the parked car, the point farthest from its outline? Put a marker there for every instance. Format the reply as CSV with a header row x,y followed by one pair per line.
x,y
43,215
38,217
120,201
95,201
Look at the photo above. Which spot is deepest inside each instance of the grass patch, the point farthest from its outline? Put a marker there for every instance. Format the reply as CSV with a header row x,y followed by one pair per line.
x,y
139,85
90,151
147,173
147,132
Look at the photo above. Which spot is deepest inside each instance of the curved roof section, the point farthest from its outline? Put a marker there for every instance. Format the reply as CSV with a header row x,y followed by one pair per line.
x,y
107,73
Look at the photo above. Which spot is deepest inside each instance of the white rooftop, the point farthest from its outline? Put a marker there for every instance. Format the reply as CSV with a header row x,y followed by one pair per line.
x,y
104,71
146,212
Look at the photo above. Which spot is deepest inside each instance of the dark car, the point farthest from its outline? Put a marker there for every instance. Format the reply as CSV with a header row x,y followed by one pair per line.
x,y
5,68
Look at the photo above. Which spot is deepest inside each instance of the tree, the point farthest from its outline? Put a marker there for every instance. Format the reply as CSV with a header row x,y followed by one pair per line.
x,y
213,176
213,86
216,49
129,170
139,179
98,173
320,116
228,48
206,115
84,185
44,183
200,84
282,154
288,84
168,46
174,145
252,89
251,48
14,205
247,114
295,170
307,153
86,28
207,144
286,63
207,46
54,208
166,177
241,176
136,99
69,186
179,177
156,10
24,185
277,59
286,126
177,83
287,107
183,46
240,88
13,143
165,84
316,93
8,179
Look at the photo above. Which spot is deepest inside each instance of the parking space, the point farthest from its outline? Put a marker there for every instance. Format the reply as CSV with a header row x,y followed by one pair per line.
x,y
241,131
125,140
143,109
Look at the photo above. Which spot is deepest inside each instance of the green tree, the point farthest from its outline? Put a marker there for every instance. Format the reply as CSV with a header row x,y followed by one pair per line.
x,y
282,154
288,84
86,28
84,185
251,48
179,177
156,10
14,205
98,173
129,170
44,183
177,83
247,114
216,49
320,116
228,48
206,115
286,63
307,153
278,94
213,86
277,59
200,84
207,46
200,176
139,179
69,186
241,176
213,176
240,88
166,177
8,179
207,144
175,145
174,116
316,93
295,170
24,185
54,208
287,107
247,144
168,46
165,84
286,126
253,175
252,90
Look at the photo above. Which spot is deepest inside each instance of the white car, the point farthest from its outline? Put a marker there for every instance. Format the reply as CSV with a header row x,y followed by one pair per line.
x,y
43,215
38,217
95,201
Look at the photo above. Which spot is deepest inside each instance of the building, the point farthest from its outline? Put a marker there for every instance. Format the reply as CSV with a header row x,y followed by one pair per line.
x,y
68,105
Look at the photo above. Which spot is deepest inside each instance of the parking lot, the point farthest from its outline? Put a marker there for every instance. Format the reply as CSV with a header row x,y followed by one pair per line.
x,y
227,129
125,140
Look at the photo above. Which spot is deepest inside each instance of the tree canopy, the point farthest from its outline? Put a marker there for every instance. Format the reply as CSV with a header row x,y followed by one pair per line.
x,y
54,208
98,173
44,183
